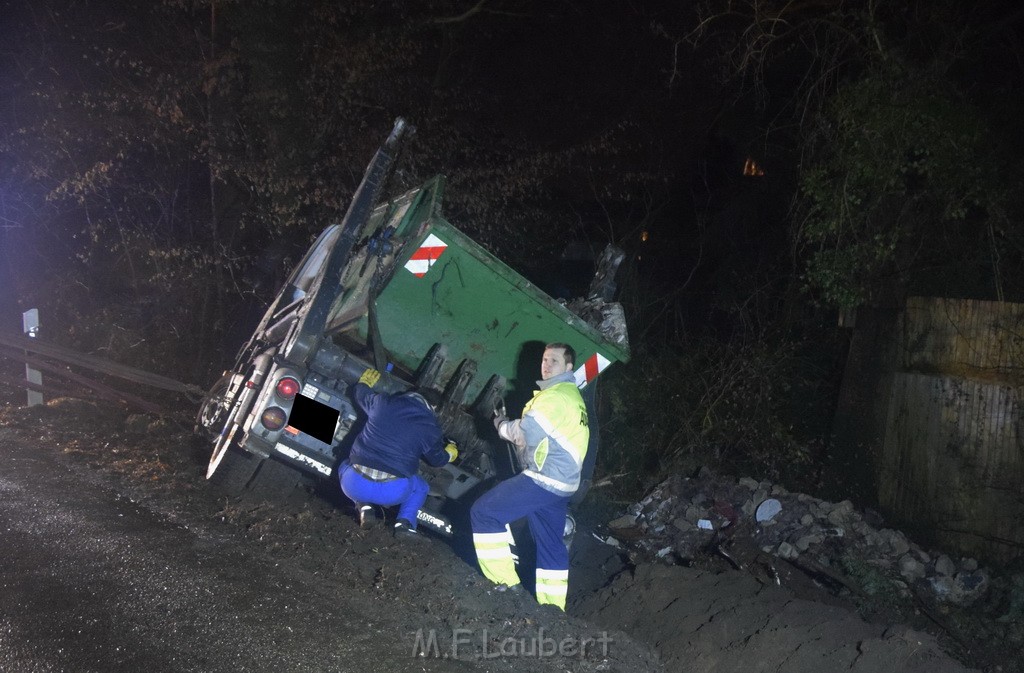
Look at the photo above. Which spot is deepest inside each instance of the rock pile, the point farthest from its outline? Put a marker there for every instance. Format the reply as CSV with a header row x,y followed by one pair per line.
x,y
684,517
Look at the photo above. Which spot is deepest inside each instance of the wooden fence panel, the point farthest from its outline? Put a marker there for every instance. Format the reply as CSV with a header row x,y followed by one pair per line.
x,y
952,461
977,339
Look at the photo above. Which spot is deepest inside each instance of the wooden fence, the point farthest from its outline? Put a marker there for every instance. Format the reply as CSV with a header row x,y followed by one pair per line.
x,y
950,459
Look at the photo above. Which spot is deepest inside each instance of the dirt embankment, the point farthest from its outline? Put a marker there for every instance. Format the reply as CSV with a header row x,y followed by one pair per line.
x,y
650,615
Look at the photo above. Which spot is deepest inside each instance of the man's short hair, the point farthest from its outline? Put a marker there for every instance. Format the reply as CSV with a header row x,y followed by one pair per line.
x,y
570,352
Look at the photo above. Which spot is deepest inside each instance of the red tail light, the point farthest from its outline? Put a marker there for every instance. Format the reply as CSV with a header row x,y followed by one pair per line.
x,y
287,388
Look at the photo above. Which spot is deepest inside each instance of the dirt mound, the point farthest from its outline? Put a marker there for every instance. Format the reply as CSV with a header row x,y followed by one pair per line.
x,y
728,621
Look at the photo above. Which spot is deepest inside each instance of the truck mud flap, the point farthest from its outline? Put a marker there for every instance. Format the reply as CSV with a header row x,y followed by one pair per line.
x,y
276,482
235,471
250,477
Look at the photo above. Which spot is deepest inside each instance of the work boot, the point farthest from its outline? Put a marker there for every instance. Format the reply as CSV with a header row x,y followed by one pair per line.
x,y
404,530
368,517
511,589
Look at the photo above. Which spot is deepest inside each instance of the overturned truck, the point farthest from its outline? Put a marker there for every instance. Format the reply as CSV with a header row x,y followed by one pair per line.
x,y
397,288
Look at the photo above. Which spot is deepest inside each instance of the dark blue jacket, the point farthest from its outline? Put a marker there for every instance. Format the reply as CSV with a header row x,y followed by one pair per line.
x,y
399,430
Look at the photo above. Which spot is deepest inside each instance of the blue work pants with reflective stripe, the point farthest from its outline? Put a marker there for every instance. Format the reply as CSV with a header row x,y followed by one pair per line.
x,y
409,493
545,511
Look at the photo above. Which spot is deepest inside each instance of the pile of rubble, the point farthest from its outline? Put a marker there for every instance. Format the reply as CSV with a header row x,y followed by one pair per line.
x,y
685,517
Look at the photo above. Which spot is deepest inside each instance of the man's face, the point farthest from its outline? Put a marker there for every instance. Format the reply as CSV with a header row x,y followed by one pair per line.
x,y
553,363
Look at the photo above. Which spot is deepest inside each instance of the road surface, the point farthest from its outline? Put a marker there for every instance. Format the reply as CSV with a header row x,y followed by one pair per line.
x,y
91,581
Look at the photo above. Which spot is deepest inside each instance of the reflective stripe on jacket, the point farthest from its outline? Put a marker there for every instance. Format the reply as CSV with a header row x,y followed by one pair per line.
x,y
555,433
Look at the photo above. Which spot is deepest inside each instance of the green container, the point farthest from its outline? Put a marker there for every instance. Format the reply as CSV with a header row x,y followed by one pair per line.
x,y
444,288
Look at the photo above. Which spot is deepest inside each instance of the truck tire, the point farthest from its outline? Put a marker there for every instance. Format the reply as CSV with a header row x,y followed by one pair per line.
x,y
214,409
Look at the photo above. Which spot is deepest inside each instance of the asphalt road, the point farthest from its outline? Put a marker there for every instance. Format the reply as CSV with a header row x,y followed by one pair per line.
x,y
91,581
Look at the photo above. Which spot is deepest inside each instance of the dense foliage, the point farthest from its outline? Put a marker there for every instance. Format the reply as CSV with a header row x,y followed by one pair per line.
x,y
893,200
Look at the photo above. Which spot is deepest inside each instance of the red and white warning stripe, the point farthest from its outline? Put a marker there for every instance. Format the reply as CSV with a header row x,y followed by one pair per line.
x,y
425,256
591,368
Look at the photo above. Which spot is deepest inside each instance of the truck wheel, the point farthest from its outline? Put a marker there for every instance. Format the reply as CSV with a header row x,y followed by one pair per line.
x,y
224,445
214,408
218,413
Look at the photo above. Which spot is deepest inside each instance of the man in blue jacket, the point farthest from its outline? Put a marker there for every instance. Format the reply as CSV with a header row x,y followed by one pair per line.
x,y
382,467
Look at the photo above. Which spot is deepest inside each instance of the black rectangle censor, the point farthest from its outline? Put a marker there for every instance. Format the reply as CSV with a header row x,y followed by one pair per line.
x,y
314,418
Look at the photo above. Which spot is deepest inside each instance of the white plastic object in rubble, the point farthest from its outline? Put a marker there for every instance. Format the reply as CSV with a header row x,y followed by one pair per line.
x,y
767,510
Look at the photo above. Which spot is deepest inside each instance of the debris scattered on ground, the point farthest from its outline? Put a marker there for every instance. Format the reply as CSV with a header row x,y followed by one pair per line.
x,y
684,517
765,530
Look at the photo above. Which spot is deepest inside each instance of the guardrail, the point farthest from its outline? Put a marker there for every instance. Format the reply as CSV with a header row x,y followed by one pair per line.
x,y
38,354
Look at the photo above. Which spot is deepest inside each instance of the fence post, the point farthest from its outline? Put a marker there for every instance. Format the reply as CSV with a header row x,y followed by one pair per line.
x,y
30,323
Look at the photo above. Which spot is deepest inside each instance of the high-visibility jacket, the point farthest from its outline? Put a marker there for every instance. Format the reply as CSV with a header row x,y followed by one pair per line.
x,y
552,435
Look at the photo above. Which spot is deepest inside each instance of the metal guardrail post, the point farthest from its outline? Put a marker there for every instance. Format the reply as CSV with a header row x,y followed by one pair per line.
x,y
30,323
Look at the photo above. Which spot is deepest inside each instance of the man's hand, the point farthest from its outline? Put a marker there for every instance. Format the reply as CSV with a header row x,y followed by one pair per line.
x,y
453,451
370,377
499,418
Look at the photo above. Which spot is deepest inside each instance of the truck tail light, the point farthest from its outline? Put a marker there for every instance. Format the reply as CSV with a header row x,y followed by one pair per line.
x,y
287,388
273,418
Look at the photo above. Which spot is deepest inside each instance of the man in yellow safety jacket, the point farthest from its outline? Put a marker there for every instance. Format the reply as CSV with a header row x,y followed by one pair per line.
x,y
551,440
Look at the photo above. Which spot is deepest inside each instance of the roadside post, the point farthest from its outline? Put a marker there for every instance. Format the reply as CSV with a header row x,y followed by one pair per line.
x,y
30,323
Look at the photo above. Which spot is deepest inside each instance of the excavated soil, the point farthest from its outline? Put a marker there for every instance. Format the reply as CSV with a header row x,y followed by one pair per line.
x,y
640,614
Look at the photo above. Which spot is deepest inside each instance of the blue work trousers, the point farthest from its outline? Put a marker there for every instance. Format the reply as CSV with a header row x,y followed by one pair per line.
x,y
545,511
409,493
